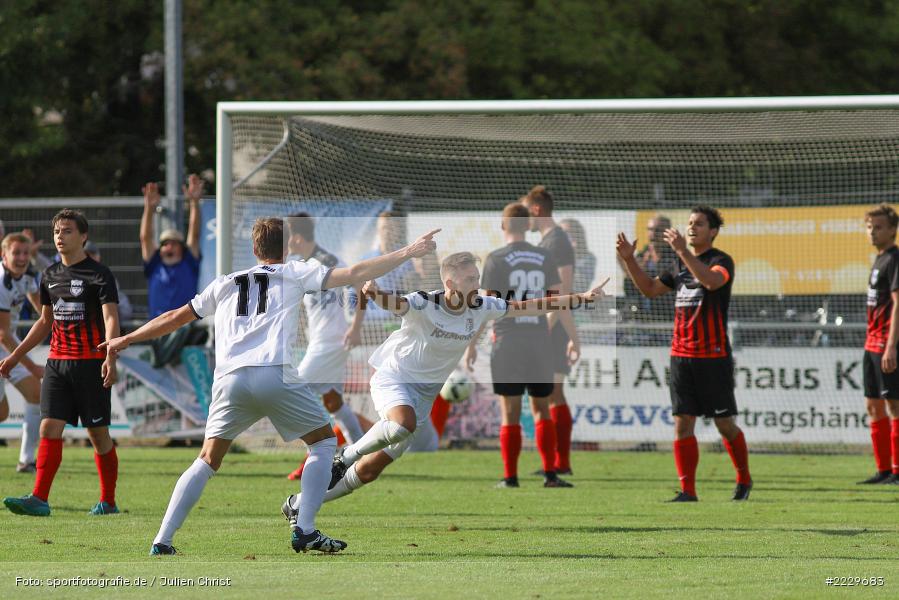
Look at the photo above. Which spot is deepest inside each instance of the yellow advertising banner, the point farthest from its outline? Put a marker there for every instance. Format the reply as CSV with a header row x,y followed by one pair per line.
x,y
795,250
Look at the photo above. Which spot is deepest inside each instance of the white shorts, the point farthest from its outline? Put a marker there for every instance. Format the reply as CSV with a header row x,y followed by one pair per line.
x,y
324,369
387,393
17,374
245,395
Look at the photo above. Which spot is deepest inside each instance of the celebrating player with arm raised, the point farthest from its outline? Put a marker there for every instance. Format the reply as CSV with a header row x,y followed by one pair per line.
x,y
702,368
256,324
414,362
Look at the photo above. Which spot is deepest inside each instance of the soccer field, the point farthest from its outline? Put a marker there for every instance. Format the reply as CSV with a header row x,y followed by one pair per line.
x,y
434,527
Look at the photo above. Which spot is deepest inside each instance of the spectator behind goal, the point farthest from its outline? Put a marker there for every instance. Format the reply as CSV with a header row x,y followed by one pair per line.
x,y
172,269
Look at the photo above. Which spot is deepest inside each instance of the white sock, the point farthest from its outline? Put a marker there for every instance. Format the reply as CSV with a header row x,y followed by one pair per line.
x,y
186,493
314,483
348,422
345,486
31,433
382,434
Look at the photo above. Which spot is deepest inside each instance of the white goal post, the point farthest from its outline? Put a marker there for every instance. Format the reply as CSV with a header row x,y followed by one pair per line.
x,y
793,177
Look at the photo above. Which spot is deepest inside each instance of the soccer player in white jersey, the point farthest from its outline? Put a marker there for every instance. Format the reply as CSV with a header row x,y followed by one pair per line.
x,y
414,362
256,325
328,338
18,283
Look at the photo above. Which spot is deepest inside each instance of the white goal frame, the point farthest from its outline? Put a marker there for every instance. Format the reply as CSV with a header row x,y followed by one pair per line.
x,y
224,175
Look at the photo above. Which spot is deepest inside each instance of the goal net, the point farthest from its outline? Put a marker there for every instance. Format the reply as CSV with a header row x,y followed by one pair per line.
x,y
792,178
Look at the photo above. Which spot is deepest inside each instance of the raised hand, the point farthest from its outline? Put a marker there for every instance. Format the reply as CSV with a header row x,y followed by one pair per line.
x,y
151,195
624,248
423,245
193,191
674,238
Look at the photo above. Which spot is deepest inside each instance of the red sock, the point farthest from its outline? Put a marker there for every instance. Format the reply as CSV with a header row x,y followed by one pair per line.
x,y
739,455
562,418
880,439
545,432
894,439
341,440
686,458
439,414
49,455
510,448
108,470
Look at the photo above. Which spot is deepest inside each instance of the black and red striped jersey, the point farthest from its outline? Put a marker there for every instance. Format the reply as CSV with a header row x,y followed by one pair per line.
x,y
884,280
700,315
77,293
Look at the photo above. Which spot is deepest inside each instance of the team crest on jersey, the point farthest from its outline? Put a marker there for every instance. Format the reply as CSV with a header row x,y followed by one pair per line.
x,y
76,287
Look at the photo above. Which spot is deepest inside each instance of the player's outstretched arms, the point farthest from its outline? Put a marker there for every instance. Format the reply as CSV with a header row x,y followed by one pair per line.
x,y
380,265
389,301
158,327
648,286
538,306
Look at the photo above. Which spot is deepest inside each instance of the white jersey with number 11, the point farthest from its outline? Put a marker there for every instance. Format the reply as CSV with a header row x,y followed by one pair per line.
x,y
257,313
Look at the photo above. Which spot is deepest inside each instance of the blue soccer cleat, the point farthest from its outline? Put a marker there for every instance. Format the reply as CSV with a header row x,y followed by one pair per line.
x,y
28,505
317,541
162,550
103,508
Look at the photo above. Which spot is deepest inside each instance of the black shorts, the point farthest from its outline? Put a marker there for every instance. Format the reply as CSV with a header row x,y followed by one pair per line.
x,y
559,340
74,388
878,384
519,362
703,387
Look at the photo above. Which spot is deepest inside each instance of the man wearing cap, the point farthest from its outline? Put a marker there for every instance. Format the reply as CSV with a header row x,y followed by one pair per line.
x,y
173,268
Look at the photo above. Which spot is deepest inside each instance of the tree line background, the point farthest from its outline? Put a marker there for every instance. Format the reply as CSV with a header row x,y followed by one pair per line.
x,y
82,91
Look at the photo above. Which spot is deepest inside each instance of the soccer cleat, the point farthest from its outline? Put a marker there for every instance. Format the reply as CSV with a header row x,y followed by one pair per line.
x,y
878,477
684,497
26,467
338,469
28,505
552,481
162,550
103,508
558,472
317,541
289,512
297,473
741,492
508,482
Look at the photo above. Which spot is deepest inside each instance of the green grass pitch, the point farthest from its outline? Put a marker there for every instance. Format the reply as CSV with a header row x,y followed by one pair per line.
x,y
434,527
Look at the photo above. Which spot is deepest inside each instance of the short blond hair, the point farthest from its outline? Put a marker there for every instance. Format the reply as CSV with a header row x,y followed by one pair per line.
x,y
12,238
452,263
268,238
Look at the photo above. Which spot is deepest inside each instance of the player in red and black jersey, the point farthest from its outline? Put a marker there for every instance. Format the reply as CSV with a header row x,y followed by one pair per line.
x,y
702,368
519,359
565,346
80,311
881,379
